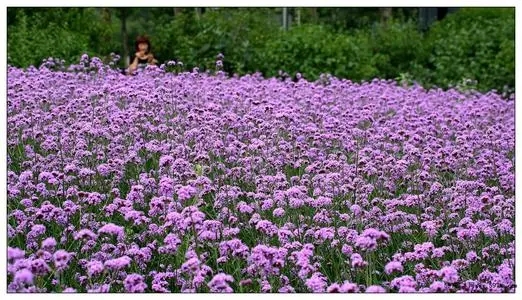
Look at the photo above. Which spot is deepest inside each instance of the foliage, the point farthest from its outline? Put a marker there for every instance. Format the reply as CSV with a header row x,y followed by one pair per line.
x,y
473,43
60,33
238,34
396,46
28,45
314,49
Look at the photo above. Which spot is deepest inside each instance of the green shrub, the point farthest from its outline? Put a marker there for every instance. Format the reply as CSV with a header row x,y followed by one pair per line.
x,y
29,45
396,46
314,49
238,34
473,43
58,33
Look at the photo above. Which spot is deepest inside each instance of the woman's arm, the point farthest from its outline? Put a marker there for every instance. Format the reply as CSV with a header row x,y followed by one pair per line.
x,y
134,65
152,60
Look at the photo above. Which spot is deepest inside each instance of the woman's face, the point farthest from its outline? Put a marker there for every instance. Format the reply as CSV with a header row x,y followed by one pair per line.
x,y
144,47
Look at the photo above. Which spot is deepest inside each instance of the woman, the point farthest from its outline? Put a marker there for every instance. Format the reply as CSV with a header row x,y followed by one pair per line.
x,y
143,56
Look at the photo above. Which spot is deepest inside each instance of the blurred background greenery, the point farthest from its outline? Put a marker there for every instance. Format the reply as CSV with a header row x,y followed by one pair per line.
x,y
356,43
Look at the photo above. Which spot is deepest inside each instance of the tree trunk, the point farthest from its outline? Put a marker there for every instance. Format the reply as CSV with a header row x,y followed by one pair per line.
x,y
124,36
177,10
285,18
106,15
441,13
386,14
313,11
107,19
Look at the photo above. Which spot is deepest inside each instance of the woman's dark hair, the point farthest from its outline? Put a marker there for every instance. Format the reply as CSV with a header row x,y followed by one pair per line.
x,y
142,39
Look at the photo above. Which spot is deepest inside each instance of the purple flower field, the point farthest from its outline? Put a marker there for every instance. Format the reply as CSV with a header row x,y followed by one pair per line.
x,y
197,183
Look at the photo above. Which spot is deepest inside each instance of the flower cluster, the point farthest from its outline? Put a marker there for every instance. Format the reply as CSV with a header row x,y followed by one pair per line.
x,y
190,182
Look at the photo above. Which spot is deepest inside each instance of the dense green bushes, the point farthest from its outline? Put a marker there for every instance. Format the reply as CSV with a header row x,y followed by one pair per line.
x,y
241,35
28,45
313,49
396,47
472,43
475,43
40,33
251,42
